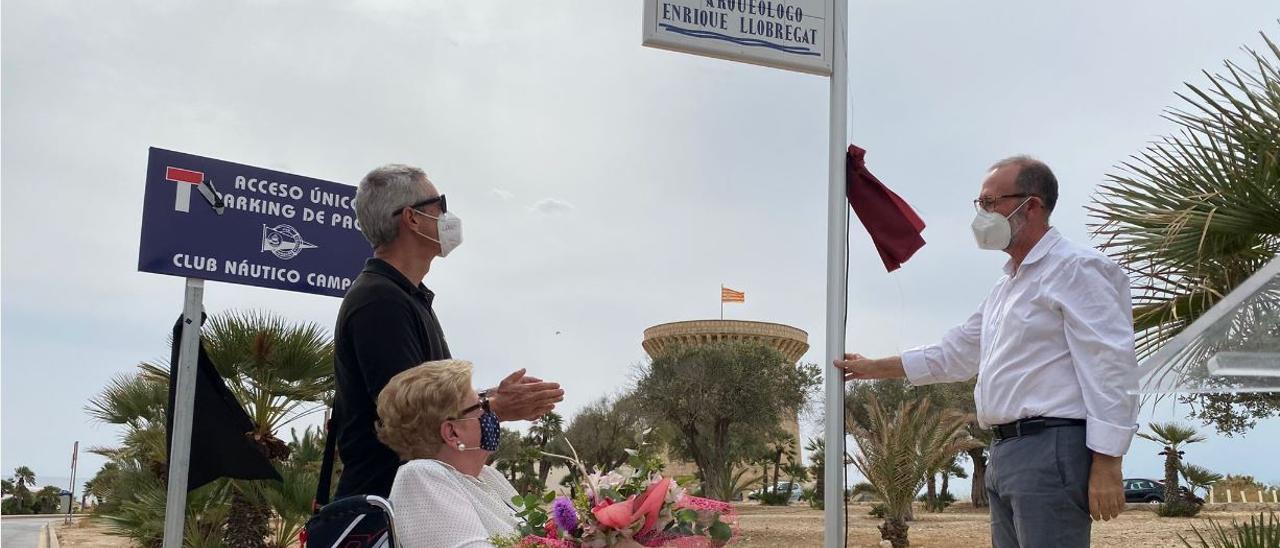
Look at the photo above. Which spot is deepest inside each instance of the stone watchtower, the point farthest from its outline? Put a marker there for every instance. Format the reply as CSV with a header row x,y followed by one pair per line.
x,y
791,342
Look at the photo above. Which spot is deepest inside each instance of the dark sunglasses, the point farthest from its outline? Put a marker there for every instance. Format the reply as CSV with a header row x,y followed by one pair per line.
x,y
483,404
444,205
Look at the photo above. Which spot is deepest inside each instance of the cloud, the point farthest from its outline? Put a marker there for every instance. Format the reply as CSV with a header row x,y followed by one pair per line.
x,y
551,206
501,194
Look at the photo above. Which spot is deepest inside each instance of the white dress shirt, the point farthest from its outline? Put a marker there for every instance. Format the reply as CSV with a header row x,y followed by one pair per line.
x,y
1053,340
437,506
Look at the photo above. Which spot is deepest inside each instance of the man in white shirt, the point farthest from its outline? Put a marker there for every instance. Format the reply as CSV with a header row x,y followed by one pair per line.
x,y
1052,347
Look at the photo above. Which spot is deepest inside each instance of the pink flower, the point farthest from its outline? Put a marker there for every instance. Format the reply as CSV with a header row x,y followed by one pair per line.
x,y
648,505
615,516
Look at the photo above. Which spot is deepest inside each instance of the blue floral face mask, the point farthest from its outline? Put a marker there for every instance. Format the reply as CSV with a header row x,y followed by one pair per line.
x,y
490,430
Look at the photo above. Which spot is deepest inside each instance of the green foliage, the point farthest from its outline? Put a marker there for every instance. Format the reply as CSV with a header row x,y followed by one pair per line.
x,y
603,430
1195,214
1173,437
939,502
1198,477
1171,434
780,498
277,369
516,459
716,399
898,448
23,477
1180,506
810,495
280,372
530,514
1262,531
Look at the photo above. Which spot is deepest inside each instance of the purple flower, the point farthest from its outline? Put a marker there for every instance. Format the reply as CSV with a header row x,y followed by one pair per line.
x,y
565,515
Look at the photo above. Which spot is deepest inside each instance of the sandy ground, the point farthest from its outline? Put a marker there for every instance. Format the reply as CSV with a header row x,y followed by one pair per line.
x,y
87,532
797,526
964,527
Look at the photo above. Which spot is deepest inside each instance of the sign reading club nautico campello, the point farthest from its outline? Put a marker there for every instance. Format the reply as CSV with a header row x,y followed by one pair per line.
x,y
214,220
792,35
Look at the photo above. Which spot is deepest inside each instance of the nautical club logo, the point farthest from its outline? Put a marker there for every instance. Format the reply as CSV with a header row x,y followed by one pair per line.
x,y
283,241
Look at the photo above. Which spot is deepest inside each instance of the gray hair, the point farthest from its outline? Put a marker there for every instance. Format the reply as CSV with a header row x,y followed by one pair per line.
x,y
383,192
1034,177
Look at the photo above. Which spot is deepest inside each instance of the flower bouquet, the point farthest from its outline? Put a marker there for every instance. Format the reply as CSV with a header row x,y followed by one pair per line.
x,y
628,507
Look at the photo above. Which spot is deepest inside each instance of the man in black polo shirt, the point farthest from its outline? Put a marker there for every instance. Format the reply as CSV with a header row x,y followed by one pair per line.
x,y
386,324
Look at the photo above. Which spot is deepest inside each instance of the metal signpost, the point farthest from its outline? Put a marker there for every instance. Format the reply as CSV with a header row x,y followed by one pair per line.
x,y
807,36
206,219
71,489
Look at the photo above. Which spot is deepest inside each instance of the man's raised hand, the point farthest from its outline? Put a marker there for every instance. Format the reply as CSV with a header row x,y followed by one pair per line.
x,y
521,397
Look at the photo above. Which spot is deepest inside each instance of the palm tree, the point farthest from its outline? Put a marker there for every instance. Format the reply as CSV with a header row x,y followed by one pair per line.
x,y
544,435
978,455
1199,477
6,487
1172,436
277,370
1193,216
280,372
24,478
897,450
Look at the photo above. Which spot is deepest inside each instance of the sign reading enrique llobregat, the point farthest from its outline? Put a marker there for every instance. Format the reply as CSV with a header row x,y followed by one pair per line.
x,y
792,34
215,220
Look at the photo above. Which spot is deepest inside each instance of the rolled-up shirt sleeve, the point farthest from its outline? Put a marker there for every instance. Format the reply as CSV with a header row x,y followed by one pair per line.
x,y
1097,311
953,359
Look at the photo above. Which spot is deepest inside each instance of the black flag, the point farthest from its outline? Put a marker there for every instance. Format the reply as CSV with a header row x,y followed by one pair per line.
x,y
219,446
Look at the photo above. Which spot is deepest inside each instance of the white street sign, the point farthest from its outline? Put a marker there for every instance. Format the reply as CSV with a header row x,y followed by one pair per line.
x,y
793,35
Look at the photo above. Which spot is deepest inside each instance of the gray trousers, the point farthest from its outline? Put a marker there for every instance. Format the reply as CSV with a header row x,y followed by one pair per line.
x,y
1038,486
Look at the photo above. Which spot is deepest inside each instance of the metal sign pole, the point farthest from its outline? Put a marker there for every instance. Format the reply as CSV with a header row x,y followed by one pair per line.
x,y
71,498
175,511
837,283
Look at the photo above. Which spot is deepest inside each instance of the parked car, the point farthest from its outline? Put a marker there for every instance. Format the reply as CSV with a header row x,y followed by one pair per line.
x,y
1151,491
781,487
1143,490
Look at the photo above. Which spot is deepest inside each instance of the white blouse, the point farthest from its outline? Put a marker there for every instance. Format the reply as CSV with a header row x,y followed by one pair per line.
x,y
437,506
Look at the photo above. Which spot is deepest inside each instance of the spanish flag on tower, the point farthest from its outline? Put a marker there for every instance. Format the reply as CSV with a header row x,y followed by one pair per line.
x,y
730,296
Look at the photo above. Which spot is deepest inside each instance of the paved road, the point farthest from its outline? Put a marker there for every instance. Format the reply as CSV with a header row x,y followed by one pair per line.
x,y
22,532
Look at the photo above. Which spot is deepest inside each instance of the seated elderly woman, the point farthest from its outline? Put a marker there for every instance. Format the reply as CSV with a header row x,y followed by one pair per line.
x,y
444,495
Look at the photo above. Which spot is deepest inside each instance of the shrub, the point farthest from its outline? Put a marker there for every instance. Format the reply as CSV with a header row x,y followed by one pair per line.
x,y
940,501
1262,531
810,495
780,498
1181,507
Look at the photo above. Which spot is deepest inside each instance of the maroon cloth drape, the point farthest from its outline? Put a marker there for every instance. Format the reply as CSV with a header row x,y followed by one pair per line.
x,y
893,225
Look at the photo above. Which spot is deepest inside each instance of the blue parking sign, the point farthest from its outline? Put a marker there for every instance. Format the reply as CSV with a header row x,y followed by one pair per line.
x,y
215,220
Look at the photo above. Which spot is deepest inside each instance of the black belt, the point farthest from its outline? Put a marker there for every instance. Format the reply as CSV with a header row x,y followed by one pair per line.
x,y
1034,425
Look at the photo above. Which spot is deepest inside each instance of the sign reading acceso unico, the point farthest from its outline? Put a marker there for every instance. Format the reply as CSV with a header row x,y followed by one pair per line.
x,y
215,220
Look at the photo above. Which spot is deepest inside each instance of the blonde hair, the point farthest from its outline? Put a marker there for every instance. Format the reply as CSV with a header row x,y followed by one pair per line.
x,y
416,402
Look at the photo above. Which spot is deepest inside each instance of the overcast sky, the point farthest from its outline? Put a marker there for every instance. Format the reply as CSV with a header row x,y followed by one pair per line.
x,y
605,187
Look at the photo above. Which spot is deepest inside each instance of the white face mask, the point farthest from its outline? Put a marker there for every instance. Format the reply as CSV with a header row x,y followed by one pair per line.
x,y
449,227
992,230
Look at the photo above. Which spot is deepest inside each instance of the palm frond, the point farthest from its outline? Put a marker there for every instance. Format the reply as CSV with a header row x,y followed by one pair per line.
x,y
1197,213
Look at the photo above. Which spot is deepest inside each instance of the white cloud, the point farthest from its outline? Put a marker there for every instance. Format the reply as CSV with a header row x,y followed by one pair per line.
x,y
551,206
502,194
